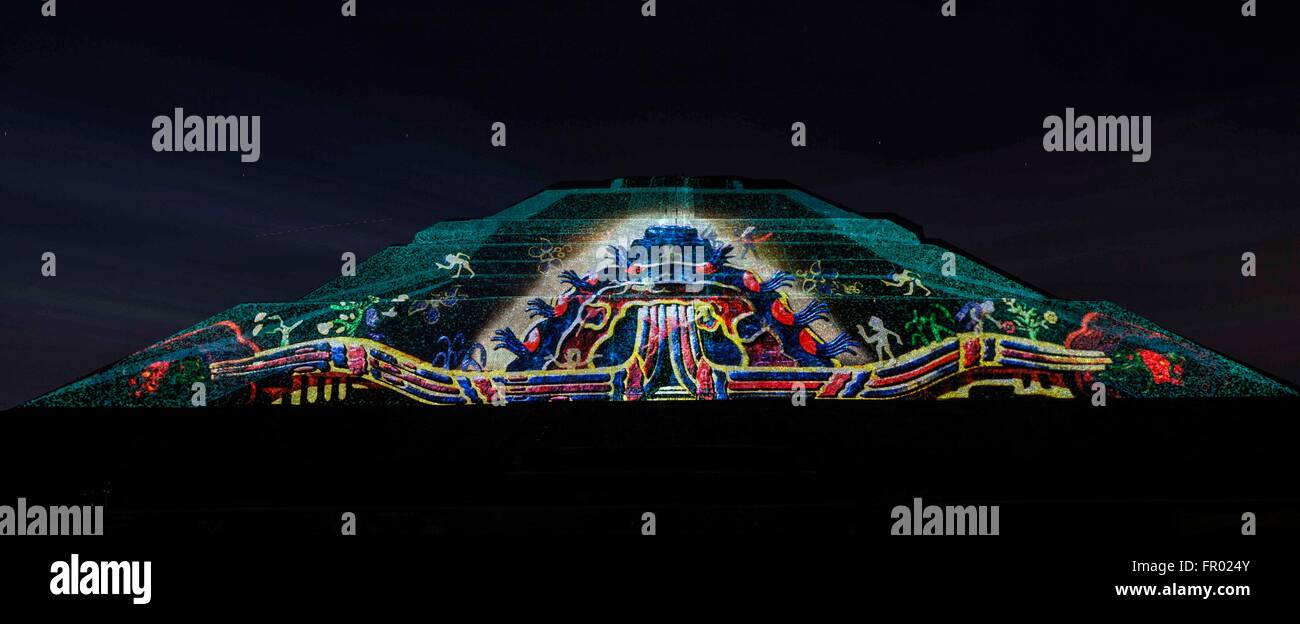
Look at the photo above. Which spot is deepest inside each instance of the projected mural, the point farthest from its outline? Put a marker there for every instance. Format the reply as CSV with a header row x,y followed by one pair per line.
x,y
671,289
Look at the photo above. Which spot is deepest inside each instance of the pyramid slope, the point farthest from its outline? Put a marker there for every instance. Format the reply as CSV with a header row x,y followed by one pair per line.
x,y
413,324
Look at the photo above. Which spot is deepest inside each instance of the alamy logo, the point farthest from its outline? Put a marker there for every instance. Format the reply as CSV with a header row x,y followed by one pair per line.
x,y
1108,133
102,578
58,520
949,520
681,264
213,133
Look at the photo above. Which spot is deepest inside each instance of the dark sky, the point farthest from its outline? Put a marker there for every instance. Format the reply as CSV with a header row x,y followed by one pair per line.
x,y
377,126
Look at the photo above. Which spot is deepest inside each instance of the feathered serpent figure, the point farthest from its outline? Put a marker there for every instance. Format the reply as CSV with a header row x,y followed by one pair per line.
x,y
669,281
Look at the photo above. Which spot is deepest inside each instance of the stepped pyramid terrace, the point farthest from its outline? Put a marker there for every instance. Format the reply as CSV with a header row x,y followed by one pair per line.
x,y
666,289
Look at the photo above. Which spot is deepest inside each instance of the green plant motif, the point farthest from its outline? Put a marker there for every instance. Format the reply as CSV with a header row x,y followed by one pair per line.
x,y
930,328
1028,319
284,330
351,314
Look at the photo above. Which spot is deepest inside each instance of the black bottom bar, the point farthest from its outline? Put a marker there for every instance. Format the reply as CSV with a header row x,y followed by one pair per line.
x,y
245,503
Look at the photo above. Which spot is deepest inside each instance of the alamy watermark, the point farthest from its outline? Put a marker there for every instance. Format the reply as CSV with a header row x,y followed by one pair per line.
x,y
212,133
948,520
22,519
680,264
102,578
1108,133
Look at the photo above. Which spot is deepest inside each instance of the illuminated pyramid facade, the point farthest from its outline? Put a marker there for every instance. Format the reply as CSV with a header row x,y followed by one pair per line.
x,y
665,289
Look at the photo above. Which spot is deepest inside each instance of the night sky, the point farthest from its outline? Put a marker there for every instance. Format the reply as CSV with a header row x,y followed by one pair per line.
x,y
377,126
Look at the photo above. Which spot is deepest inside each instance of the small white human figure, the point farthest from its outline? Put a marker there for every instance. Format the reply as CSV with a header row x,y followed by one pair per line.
x,y
458,261
880,338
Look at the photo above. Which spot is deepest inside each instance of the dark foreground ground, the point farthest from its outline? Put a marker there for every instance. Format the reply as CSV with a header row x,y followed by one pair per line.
x,y
1082,491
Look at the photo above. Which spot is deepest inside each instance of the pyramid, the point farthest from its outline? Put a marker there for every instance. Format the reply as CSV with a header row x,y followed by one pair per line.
x,y
668,288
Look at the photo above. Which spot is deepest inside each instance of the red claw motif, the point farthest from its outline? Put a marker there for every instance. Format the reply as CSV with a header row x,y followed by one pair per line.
x,y
808,341
781,312
534,338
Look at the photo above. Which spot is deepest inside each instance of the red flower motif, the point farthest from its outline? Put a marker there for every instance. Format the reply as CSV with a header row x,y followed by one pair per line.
x,y
149,379
1008,327
1161,370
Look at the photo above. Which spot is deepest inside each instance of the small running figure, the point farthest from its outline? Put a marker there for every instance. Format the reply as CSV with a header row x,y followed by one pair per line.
x,y
458,261
975,313
880,338
750,241
905,278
